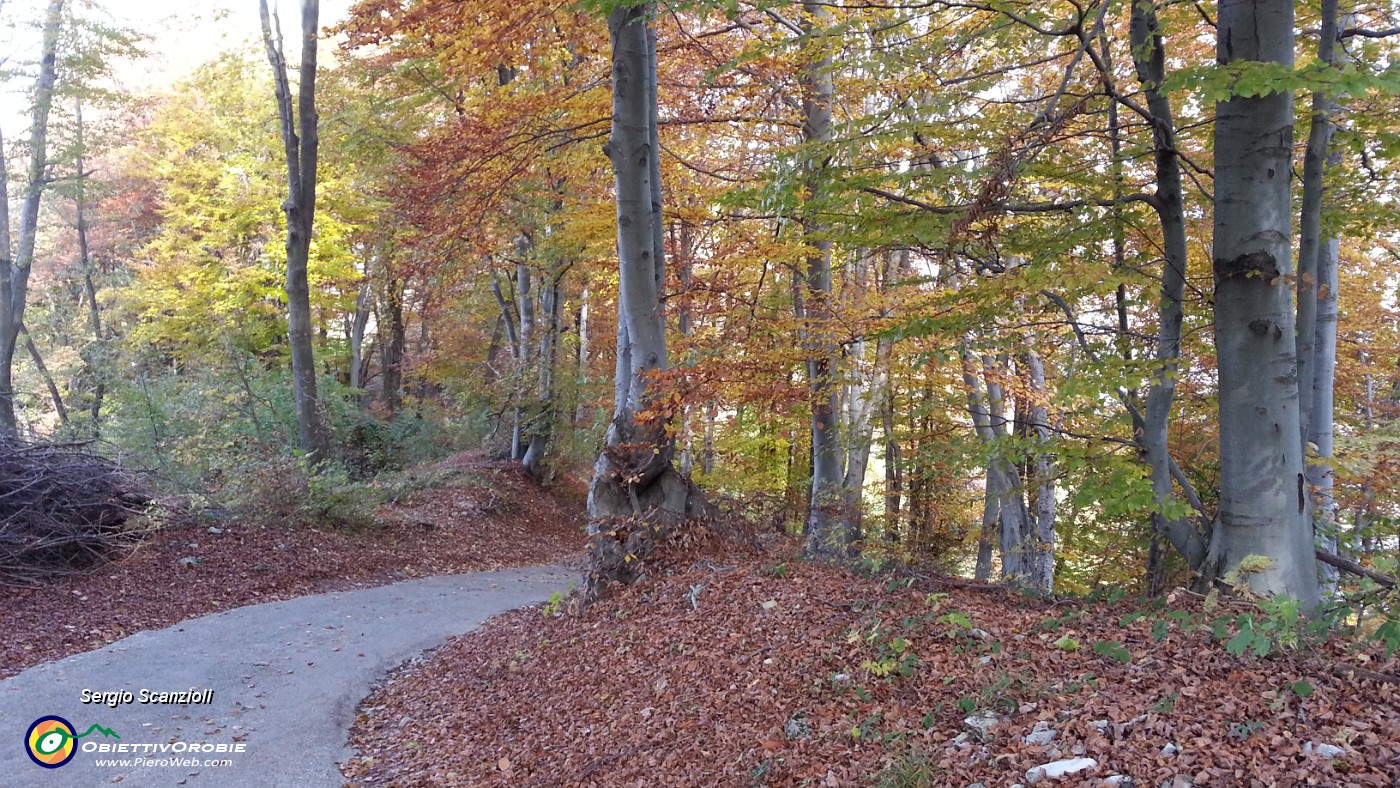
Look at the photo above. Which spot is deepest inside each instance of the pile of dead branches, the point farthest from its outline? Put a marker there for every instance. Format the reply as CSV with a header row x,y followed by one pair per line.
x,y
64,509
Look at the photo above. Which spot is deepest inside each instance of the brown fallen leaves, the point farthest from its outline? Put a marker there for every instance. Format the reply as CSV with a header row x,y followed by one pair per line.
x,y
735,671
488,516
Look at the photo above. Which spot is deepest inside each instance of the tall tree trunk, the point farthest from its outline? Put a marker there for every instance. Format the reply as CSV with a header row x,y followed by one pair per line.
x,y
96,357
542,421
1317,305
1015,531
391,349
1042,574
583,411
1263,493
359,322
894,467
300,208
525,307
635,491
1150,62
828,535
863,398
14,271
685,321
1004,509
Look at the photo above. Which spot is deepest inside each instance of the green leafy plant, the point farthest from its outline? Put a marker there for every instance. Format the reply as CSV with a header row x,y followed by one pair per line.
x,y
1113,650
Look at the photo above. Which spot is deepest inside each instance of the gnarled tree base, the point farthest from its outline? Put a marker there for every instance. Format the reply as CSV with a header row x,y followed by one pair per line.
x,y
627,520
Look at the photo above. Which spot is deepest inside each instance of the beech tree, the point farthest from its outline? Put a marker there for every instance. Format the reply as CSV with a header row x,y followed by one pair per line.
x,y
300,208
1264,502
634,480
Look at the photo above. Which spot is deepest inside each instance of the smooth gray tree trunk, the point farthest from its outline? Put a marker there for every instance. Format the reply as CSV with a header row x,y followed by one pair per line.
x,y
301,151
1317,305
1004,510
867,391
1150,63
1264,508
828,535
14,271
1042,554
635,493
583,412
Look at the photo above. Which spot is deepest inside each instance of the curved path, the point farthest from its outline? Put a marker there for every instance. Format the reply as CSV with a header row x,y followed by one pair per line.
x,y
286,680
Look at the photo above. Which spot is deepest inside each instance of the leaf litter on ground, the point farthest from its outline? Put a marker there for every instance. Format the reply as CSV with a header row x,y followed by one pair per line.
x,y
851,681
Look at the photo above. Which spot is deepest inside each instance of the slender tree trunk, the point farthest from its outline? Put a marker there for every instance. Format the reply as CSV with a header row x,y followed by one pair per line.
x,y
1317,306
542,421
828,536
894,470
864,397
583,412
525,307
707,451
1042,574
1264,508
300,208
359,322
1150,63
493,351
1015,531
43,370
391,349
96,357
1004,509
14,271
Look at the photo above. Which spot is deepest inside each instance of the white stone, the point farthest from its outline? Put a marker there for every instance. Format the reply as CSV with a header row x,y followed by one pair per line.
x,y
1323,750
982,723
1170,749
1057,769
1040,734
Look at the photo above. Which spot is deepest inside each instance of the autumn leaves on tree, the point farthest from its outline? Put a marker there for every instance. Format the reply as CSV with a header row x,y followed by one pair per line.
x,y
1011,288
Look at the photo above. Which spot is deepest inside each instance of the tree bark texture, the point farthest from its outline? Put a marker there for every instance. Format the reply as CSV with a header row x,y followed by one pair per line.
x,y
828,534
1317,306
300,207
1150,63
1264,507
15,270
635,493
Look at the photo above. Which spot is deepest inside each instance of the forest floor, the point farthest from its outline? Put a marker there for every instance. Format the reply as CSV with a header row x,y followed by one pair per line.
x,y
745,667
477,515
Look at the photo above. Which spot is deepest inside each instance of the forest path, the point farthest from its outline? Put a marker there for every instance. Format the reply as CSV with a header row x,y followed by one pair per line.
x,y
286,679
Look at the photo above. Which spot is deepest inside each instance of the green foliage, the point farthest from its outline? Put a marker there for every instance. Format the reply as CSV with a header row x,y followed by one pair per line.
x,y
912,768
1167,704
778,570
1388,634
893,655
1113,650
1302,689
555,604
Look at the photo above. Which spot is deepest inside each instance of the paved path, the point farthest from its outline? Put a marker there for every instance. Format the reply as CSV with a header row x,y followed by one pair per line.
x,y
287,677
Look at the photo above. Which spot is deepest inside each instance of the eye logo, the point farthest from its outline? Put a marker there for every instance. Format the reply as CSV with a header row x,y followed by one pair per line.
x,y
51,741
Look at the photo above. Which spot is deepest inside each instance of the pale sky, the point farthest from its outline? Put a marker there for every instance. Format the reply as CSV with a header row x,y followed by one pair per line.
x,y
184,34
